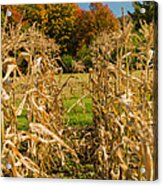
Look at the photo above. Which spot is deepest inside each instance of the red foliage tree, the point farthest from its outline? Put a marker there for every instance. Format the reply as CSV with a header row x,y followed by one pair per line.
x,y
91,23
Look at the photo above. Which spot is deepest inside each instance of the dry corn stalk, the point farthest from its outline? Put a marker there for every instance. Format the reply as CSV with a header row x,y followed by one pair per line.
x,y
118,146
121,105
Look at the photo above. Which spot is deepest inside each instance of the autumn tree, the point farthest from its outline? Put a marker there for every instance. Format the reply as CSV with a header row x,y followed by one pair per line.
x,y
14,15
57,21
71,27
84,30
90,23
104,17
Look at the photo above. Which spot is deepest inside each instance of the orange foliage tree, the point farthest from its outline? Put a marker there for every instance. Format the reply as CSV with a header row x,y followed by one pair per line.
x,y
70,26
90,23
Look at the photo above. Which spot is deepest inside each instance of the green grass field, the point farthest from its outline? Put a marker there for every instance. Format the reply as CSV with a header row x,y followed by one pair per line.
x,y
81,114
78,116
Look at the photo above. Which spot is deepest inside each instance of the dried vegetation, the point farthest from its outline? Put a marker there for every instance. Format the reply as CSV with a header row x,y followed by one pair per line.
x,y
118,145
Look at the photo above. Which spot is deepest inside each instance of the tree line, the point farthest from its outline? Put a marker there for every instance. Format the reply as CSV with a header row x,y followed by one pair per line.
x,y
71,27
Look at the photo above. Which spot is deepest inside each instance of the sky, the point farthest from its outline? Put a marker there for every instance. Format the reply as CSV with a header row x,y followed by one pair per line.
x,y
114,6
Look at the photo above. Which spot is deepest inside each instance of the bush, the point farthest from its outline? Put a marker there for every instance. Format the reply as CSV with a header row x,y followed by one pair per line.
x,y
68,62
84,55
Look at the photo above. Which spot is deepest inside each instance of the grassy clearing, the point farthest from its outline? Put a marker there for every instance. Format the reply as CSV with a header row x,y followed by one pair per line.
x,y
78,116
23,123
76,84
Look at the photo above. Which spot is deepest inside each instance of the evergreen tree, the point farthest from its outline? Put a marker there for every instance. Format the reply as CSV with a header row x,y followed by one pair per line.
x,y
138,14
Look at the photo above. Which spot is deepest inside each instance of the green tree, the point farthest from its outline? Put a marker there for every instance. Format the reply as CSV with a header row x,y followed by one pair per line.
x,y
147,16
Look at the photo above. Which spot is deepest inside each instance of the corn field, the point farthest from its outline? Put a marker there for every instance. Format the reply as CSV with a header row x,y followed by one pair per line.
x,y
120,142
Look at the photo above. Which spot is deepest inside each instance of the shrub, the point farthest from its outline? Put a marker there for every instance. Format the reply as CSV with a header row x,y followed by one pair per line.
x,y
68,62
85,56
